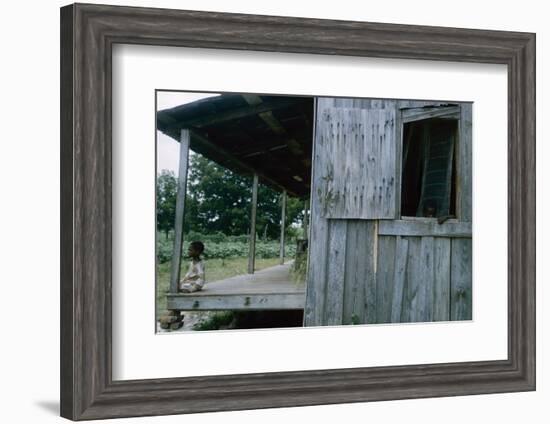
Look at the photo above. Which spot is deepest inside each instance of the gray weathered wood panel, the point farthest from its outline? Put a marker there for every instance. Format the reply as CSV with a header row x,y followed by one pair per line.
x,y
399,279
374,271
418,113
336,268
461,279
414,279
412,284
318,239
385,278
358,163
464,163
360,278
238,302
442,279
425,227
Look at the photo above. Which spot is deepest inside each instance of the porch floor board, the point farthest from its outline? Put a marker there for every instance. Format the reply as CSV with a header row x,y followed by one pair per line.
x,y
267,289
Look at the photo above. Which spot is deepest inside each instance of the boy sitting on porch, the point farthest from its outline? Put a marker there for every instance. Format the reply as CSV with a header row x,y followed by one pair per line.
x,y
193,280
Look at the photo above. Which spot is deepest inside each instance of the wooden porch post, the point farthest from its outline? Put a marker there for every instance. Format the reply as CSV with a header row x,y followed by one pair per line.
x,y
252,238
180,211
283,213
305,222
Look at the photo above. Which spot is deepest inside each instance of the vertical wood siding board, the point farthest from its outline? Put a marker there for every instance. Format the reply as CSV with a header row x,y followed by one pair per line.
x,y
371,137
379,119
385,163
395,161
405,301
350,284
362,151
365,153
398,142
464,163
316,275
385,278
399,277
411,304
442,286
370,242
374,159
461,279
427,278
334,296
350,171
356,272
389,163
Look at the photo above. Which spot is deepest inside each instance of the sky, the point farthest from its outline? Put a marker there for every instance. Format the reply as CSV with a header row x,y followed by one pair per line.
x,y
167,147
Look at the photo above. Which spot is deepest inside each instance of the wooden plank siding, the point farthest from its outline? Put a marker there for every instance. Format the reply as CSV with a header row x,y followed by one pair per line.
x,y
360,161
464,164
365,271
423,279
425,227
461,280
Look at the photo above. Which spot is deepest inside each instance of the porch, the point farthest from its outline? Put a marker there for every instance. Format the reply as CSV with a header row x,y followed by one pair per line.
x,y
269,289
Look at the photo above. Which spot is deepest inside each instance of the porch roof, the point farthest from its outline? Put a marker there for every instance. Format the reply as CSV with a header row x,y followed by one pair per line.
x,y
248,133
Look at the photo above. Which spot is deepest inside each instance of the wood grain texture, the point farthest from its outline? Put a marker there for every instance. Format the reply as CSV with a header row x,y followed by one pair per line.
x,y
87,388
461,279
360,284
385,273
175,267
464,164
425,227
442,279
359,167
399,278
317,246
69,402
336,270
416,114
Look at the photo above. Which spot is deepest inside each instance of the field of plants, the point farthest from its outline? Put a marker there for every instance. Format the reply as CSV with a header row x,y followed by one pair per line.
x,y
220,246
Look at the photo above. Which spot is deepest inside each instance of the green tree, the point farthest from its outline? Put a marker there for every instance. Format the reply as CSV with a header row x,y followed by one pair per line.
x,y
167,187
219,201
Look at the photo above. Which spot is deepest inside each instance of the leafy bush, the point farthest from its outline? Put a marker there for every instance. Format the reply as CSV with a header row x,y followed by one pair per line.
x,y
164,249
220,246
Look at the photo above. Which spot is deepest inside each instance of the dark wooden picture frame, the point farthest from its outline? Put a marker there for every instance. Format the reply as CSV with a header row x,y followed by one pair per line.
x,y
88,33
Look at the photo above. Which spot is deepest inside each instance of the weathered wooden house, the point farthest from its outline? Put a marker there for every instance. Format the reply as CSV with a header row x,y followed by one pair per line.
x,y
389,186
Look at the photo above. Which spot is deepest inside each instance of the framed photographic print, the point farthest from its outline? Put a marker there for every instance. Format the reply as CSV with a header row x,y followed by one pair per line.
x,y
262,211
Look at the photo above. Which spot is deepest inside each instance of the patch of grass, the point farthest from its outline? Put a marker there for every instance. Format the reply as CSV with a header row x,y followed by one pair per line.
x,y
215,321
215,269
